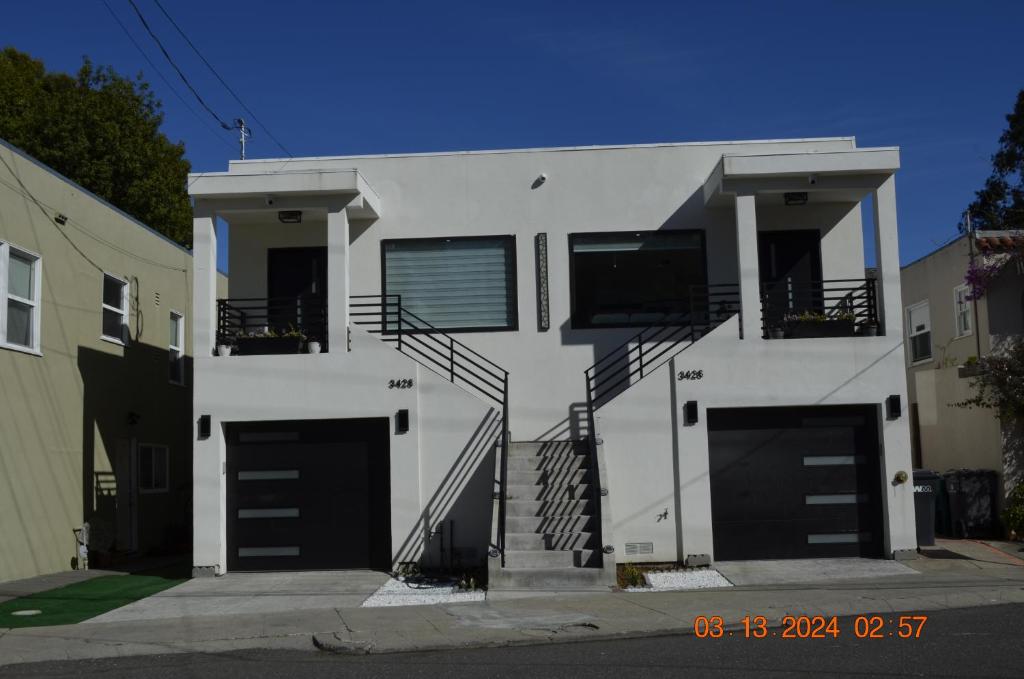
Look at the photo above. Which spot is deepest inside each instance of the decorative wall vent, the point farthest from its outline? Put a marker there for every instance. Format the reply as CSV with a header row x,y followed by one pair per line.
x,y
637,548
156,298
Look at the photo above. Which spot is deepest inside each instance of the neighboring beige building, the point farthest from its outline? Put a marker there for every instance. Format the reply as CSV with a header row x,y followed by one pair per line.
x,y
95,368
945,330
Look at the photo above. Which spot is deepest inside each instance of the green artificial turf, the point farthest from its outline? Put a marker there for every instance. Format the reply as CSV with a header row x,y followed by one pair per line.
x,y
82,600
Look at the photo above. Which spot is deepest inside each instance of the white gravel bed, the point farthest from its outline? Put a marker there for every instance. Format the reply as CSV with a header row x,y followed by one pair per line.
x,y
679,580
396,592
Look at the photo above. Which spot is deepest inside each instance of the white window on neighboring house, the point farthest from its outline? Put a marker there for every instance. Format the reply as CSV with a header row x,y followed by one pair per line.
x,y
919,332
963,310
20,284
176,349
115,309
153,468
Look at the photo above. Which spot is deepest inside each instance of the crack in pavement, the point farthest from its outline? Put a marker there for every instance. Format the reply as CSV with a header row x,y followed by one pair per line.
x,y
348,629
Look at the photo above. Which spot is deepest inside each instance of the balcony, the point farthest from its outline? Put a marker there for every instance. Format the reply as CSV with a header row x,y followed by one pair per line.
x,y
282,325
835,308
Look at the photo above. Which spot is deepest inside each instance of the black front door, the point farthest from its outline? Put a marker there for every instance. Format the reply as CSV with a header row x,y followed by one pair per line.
x,y
790,265
308,495
795,482
297,290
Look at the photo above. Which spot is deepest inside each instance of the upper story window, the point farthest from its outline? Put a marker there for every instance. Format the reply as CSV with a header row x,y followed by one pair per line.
x,y
634,278
963,310
176,348
115,309
154,465
919,332
19,294
454,283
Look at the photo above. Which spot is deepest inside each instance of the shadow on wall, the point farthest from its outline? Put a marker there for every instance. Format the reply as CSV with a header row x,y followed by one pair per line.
x,y
128,402
453,530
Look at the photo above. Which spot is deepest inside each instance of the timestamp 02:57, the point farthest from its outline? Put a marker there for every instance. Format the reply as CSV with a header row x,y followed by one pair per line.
x,y
811,627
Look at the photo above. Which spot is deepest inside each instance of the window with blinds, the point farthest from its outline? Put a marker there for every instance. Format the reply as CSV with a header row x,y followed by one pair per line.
x,y
454,283
919,332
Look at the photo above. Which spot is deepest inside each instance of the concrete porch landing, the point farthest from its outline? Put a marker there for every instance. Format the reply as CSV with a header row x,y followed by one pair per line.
x,y
259,593
797,571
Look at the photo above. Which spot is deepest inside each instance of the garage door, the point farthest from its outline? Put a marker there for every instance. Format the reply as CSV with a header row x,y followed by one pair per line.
x,y
310,495
795,482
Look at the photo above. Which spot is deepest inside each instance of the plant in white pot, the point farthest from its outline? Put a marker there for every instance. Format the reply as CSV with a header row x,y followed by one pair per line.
x,y
313,346
224,349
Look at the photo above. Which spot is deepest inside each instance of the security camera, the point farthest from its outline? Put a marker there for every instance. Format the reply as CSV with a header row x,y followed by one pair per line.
x,y
269,200
812,180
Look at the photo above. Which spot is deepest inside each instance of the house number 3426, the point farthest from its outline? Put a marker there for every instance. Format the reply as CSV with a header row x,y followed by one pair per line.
x,y
399,384
690,375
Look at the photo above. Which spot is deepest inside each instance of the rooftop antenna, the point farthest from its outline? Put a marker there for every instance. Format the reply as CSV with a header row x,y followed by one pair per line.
x,y
244,134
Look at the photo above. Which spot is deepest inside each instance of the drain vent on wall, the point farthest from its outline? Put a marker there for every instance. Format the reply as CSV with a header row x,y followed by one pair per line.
x,y
636,548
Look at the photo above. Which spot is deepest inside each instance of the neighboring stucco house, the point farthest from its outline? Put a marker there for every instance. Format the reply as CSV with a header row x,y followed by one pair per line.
x,y
96,375
946,330
550,360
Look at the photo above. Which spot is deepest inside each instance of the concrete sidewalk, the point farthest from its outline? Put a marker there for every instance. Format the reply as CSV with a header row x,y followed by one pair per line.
x,y
942,583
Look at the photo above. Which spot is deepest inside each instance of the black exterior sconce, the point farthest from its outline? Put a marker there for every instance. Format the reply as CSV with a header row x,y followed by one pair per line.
x,y
690,413
402,421
204,427
893,409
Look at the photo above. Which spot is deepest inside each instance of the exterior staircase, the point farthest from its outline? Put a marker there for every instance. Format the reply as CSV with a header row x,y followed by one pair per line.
x,y
552,524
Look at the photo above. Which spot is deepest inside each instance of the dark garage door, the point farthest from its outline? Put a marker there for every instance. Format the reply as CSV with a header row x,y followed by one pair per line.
x,y
795,482
308,495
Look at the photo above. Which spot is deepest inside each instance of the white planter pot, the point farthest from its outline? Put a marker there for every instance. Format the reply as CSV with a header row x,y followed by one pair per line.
x,y
223,349
314,347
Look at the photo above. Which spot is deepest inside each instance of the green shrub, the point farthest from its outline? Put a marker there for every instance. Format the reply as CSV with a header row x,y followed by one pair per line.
x,y
1013,515
631,575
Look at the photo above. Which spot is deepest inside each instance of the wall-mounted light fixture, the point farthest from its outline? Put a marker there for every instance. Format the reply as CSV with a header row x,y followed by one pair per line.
x,y
289,216
690,413
402,421
795,198
893,409
204,427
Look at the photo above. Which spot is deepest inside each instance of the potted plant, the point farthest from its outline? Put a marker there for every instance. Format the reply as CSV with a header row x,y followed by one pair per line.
x,y
267,341
869,328
807,324
313,346
776,332
224,349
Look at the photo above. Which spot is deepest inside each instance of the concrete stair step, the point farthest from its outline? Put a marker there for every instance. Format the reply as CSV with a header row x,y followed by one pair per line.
x,y
557,464
554,493
552,449
548,558
547,477
559,579
548,507
550,541
550,524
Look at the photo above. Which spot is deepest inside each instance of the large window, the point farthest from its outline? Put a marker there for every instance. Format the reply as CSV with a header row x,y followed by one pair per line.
x,y
19,298
962,310
919,332
153,468
454,283
634,278
176,349
115,309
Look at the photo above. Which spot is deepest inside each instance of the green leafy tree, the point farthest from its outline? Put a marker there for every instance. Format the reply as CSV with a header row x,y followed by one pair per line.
x,y
1000,202
101,130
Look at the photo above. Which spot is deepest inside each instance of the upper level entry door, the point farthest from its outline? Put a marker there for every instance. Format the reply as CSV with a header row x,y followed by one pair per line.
x,y
297,289
790,264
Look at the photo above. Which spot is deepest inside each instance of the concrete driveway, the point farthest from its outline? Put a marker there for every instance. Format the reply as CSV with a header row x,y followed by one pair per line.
x,y
799,571
253,593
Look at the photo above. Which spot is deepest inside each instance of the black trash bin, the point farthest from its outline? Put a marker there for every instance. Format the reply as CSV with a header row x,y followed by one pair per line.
x,y
926,490
972,502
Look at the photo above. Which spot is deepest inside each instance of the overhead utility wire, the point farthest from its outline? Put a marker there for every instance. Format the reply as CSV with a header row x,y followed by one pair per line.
x,y
164,78
181,75
222,81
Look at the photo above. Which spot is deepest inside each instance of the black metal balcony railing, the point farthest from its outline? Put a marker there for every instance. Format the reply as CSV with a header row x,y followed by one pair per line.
x,y
272,325
834,308
708,307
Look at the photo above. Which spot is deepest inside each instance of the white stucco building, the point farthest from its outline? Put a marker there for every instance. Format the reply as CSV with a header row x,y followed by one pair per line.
x,y
551,360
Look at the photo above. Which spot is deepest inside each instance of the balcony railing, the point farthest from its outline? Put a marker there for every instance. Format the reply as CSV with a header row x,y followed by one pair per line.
x,y
280,325
834,308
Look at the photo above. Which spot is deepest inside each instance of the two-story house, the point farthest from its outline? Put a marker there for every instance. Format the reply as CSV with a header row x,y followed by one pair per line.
x,y
551,360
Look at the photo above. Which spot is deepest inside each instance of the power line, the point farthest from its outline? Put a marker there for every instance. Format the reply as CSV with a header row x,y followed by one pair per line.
x,y
181,75
164,78
222,82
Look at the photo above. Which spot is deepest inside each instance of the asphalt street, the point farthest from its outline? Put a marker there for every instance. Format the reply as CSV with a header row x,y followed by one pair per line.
x,y
969,642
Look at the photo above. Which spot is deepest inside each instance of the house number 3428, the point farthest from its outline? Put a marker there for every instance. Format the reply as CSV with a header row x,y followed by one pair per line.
x,y
690,375
399,384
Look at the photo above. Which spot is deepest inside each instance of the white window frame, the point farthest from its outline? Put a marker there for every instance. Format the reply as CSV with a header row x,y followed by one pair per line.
x,y
911,334
35,302
149,448
968,308
122,340
178,346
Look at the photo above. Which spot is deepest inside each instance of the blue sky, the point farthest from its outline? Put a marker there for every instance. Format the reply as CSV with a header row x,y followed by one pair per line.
x,y
935,78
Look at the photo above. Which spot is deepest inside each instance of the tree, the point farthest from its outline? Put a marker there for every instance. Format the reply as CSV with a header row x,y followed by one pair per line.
x,y
1000,202
101,130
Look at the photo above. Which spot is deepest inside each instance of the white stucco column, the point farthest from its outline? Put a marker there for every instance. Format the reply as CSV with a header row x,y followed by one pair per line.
x,y
887,258
747,266
337,279
204,276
